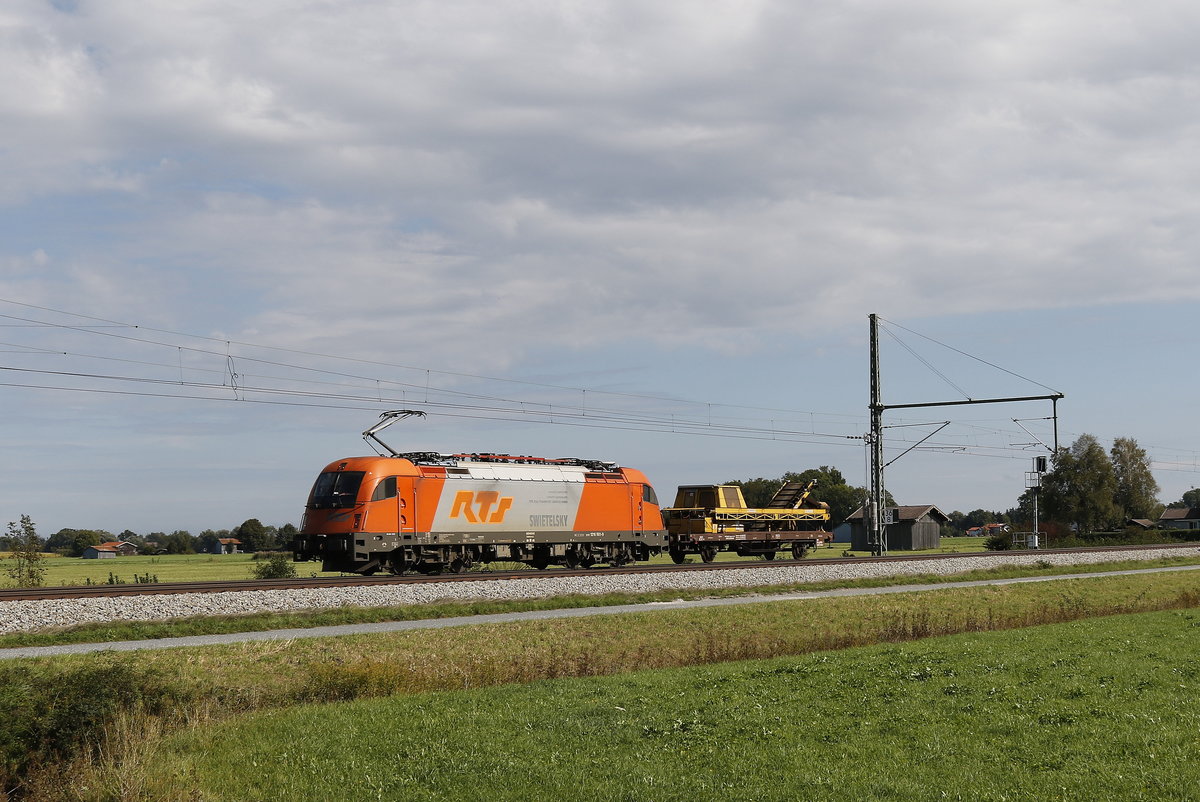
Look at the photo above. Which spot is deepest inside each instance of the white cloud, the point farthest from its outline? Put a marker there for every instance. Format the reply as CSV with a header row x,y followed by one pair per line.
x,y
719,172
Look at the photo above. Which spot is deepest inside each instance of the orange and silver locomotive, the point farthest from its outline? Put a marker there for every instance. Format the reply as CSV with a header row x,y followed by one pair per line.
x,y
431,512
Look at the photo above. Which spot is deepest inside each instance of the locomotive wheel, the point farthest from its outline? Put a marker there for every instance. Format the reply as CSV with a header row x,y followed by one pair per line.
x,y
799,550
571,560
708,553
396,563
624,557
678,556
459,565
541,559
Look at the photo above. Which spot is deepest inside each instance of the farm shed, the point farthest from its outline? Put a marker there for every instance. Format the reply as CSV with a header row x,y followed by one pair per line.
x,y
1180,518
122,547
915,528
99,553
226,545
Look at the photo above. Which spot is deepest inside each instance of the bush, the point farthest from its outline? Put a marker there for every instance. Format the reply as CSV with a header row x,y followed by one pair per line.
x,y
278,565
1001,541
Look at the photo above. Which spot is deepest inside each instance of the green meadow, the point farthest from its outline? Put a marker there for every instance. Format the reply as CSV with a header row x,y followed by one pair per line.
x,y
1071,687
212,567
1093,710
107,632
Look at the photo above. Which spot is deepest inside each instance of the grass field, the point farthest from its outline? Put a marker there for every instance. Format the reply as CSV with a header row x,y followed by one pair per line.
x,y
163,567
205,567
1100,709
101,740
209,625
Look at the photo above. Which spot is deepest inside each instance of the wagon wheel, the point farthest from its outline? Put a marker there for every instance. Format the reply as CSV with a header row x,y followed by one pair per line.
x,y
677,556
459,564
708,553
768,555
571,560
799,550
541,559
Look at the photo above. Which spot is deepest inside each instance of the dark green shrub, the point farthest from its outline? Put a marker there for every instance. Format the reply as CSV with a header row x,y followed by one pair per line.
x,y
1001,541
278,565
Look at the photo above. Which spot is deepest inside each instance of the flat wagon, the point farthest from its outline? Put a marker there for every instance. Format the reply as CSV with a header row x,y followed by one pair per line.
x,y
707,519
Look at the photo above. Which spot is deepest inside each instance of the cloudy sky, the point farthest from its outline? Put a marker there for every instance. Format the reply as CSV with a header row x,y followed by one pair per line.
x,y
645,232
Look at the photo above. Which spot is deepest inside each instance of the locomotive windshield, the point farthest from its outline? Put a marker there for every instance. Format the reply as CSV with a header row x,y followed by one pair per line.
x,y
335,489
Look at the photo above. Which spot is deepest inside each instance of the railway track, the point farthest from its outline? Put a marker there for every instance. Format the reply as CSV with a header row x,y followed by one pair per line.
x,y
136,589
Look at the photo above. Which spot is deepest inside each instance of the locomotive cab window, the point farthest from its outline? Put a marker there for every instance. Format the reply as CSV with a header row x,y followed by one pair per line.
x,y
385,489
648,495
335,489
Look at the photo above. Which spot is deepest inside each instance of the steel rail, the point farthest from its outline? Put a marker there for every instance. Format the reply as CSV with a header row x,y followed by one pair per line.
x,y
351,580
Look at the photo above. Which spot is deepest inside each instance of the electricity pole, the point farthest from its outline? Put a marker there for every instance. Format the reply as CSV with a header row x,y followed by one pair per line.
x,y
876,537
873,513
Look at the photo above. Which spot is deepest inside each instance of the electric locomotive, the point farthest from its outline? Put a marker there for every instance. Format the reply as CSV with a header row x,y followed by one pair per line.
x,y
432,512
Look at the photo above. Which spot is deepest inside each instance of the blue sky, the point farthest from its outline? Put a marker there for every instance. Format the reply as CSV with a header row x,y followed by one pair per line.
x,y
674,216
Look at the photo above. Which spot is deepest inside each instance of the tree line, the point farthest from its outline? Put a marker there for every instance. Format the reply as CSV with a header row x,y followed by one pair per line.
x,y
1087,489
253,534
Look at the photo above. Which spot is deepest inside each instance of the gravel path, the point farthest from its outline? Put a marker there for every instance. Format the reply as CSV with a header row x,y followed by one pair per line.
x,y
25,616
529,615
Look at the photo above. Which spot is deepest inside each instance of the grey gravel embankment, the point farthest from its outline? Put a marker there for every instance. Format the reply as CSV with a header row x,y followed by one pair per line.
x,y
24,616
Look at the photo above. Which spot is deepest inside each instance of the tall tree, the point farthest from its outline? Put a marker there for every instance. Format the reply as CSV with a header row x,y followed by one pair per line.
x,y
83,539
1081,487
1137,490
209,538
178,542
758,492
1191,498
832,489
254,535
285,536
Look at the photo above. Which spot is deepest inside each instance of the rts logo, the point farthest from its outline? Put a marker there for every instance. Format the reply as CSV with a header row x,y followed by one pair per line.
x,y
475,507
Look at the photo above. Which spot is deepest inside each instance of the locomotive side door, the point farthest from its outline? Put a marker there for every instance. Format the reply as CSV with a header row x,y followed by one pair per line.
x,y
638,496
406,498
